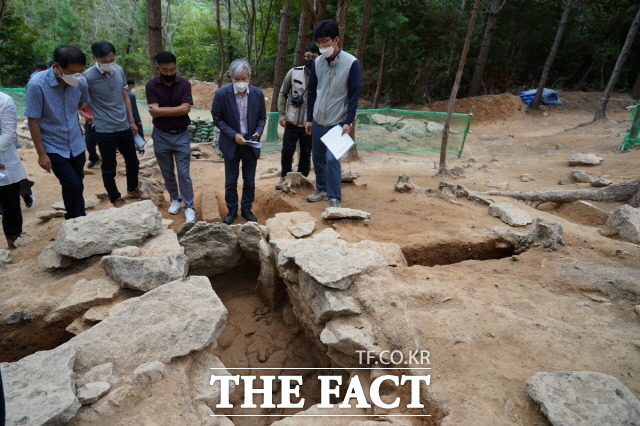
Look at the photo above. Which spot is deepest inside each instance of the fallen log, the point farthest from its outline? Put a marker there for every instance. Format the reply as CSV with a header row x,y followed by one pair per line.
x,y
628,192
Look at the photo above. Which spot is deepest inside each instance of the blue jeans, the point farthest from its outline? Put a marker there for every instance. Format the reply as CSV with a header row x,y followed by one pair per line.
x,y
326,166
175,150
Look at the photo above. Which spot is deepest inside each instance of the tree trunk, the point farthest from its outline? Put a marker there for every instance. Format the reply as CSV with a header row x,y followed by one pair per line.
x,y
321,11
3,10
454,41
478,71
220,45
602,105
303,36
154,30
376,97
230,53
363,31
622,192
552,54
281,55
635,90
341,18
132,27
454,91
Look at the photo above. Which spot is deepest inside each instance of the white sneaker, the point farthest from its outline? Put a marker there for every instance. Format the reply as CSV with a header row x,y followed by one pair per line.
x,y
174,208
190,215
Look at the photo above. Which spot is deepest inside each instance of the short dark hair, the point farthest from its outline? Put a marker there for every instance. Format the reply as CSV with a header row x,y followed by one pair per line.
x,y
130,81
311,47
40,66
326,28
166,58
102,48
65,55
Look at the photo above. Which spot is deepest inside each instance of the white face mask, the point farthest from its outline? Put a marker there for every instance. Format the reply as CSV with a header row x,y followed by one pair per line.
x,y
240,86
326,51
72,79
108,68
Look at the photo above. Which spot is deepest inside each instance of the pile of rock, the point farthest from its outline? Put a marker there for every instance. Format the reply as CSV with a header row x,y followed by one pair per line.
x,y
202,131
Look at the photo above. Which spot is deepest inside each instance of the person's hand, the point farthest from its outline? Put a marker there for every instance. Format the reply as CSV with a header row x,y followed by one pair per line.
x,y
44,162
239,139
345,129
307,127
255,136
153,110
282,121
134,128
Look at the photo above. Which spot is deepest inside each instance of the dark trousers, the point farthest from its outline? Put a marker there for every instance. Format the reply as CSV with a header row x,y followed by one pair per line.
x,y
70,173
293,134
25,187
108,144
244,154
11,213
90,139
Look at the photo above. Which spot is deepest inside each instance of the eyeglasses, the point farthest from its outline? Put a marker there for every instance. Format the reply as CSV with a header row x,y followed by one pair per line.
x,y
324,43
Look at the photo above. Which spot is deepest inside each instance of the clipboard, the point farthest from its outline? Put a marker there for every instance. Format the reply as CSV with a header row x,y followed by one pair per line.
x,y
336,142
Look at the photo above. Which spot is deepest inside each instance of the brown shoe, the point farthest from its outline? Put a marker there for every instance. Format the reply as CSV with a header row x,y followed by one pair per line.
x,y
119,203
138,194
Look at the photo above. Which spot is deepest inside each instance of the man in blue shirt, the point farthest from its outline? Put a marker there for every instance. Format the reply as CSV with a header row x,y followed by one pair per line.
x,y
53,99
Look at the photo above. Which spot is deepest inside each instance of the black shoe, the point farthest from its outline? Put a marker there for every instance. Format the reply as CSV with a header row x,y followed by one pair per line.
x,y
92,164
248,214
28,200
230,217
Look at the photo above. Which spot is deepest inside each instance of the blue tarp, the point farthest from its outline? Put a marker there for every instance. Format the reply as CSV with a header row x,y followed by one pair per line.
x,y
549,97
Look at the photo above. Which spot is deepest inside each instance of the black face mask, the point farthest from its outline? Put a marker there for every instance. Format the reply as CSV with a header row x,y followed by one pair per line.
x,y
308,63
168,78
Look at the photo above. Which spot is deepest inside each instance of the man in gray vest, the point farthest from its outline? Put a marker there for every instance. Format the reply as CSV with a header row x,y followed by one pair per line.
x,y
292,108
113,120
332,99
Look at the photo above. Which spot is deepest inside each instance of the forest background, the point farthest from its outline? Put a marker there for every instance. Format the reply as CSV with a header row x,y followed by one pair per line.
x,y
409,49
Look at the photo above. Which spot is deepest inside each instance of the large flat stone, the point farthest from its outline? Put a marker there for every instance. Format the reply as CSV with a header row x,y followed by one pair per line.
x,y
102,231
626,220
571,398
86,294
170,321
145,273
325,302
510,214
40,389
582,159
279,224
212,248
49,258
329,264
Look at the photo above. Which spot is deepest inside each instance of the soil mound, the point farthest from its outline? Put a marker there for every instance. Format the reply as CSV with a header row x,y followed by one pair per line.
x,y
487,108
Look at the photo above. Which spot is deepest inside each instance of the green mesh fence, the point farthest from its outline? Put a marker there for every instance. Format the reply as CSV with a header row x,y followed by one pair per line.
x,y
633,136
392,129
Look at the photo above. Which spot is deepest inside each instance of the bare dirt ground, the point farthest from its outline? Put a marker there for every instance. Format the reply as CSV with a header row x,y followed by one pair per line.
x,y
489,324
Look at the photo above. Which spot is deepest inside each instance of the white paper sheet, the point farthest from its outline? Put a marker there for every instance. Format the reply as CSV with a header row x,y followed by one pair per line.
x,y
254,144
140,143
336,143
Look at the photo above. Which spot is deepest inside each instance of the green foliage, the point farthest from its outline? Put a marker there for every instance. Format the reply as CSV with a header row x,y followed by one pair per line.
x,y
423,41
19,50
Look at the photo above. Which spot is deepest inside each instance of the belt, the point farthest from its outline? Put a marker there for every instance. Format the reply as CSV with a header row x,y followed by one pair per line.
x,y
174,131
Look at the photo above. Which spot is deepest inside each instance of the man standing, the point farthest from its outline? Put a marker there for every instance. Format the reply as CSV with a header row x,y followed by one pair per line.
x,y
11,172
334,87
292,108
53,99
113,121
169,99
238,111
134,106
